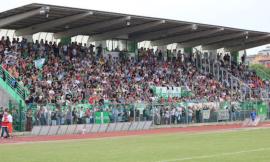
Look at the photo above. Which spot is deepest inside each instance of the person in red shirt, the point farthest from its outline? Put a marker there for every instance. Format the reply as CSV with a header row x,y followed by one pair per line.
x,y
10,126
5,123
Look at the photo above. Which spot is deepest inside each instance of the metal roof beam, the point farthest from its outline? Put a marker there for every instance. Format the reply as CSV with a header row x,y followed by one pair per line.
x,y
186,37
195,43
247,46
90,28
18,17
235,42
126,30
51,24
162,33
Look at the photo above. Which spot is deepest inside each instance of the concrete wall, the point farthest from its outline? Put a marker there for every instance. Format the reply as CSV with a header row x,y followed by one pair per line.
x,y
4,99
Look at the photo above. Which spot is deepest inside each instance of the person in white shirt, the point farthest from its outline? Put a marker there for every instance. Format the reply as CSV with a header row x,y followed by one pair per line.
x,y
10,126
80,118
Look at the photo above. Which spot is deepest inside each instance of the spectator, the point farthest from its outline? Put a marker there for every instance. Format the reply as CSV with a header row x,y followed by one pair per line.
x,y
81,115
73,74
190,114
53,118
5,123
87,116
69,116
74,116
10,125
29,121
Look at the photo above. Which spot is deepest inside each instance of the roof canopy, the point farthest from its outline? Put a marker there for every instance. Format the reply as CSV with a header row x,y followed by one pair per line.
x,y
100,25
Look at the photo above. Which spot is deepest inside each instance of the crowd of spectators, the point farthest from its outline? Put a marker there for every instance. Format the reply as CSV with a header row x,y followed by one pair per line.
x,y
160,114
243,73
76,73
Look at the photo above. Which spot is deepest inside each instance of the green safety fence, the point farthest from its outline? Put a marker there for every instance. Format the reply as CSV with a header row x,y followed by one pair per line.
x,y
18,113
104,113
102,117
260,106
18,92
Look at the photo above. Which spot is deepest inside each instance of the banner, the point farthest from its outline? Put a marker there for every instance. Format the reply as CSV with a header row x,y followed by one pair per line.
x,y
84,106
206,114
166,92
260,106
39,63
223,115
102,117
225,105
262,110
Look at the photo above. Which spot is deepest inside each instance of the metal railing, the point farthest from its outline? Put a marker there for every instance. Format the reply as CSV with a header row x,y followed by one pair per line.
x,y
13,83
207,66
159,114
262,74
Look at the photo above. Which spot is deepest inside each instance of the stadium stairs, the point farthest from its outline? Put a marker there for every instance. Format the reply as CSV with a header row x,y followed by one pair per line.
x,y
11,94
221,75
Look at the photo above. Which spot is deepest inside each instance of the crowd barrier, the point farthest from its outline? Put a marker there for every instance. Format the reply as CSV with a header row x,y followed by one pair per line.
x,y
89,128
159,114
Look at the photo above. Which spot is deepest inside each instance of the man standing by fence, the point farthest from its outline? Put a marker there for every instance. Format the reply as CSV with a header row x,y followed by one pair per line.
x,y
253,120
253,115
5,123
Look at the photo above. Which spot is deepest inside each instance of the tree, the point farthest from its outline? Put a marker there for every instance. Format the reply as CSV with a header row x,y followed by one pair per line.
x,y
262,71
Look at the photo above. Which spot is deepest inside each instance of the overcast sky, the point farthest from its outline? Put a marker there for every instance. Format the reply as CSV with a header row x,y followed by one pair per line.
x,y
246,14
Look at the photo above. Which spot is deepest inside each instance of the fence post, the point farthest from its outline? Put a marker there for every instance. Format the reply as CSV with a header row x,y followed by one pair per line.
x,y
186,114
139,117
94,114
9,105
20,115
217,110
153,113
246,109
170,111
134,113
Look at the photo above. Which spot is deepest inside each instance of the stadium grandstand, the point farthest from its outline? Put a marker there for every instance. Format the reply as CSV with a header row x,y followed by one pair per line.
x,y
62,65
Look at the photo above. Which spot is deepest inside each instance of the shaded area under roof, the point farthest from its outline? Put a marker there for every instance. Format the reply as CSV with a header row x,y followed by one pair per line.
x,y
100,25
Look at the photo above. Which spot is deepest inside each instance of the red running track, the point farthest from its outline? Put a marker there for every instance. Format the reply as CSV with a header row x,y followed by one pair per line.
x,y
195,129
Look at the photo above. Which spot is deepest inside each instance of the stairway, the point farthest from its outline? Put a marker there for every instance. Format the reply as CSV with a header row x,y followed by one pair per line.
x,y
235,84
10,92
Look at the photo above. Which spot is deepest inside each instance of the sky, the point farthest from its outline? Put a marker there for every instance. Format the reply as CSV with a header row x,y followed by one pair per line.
x,y
245,14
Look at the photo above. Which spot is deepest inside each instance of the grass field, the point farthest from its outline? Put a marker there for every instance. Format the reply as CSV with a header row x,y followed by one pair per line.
x,y
232,146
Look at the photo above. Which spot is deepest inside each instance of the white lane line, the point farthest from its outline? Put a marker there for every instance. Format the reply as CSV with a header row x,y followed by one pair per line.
x,y
215,155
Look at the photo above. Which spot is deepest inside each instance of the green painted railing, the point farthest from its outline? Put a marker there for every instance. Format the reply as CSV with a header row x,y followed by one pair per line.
x,y
10,84
261,71
263,75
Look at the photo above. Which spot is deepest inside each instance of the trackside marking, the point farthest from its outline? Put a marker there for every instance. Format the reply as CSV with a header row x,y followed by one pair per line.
x,y
215,155
135,135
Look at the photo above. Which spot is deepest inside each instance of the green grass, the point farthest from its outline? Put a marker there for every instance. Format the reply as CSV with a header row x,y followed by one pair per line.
x,y
234,146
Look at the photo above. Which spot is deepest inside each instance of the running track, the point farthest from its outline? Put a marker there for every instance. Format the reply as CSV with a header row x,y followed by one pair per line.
x,y
195,129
